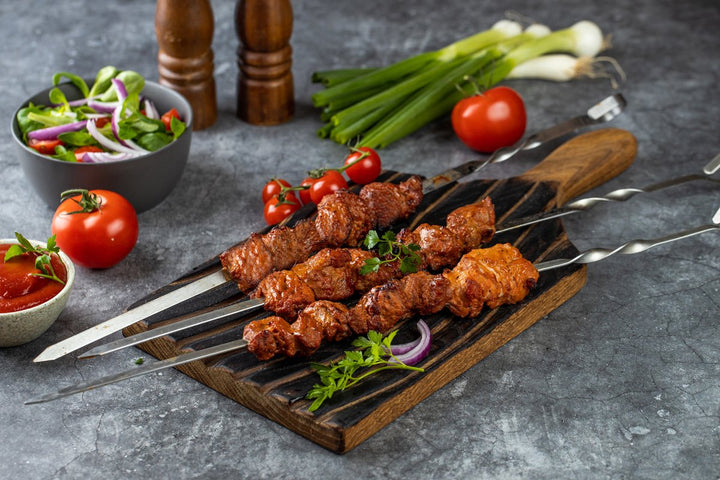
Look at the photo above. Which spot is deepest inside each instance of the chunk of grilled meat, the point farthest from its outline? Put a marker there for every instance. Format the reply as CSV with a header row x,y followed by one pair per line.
x,y
334,274
492,276
343,218
467,227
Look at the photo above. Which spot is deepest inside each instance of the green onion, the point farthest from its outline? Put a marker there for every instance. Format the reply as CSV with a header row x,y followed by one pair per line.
x,y
333,77
397,71
380,106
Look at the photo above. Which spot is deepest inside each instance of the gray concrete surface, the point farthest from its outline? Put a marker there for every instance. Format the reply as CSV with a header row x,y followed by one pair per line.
x,y
622,381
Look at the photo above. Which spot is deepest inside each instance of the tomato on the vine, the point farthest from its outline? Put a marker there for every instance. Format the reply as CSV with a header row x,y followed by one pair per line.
x,y
95,228
305,192
274,187
331,181
490,120
276,210
365,165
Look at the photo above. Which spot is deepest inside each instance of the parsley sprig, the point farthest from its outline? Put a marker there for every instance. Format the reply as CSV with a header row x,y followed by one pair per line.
x,y
43,256
374,356
390,250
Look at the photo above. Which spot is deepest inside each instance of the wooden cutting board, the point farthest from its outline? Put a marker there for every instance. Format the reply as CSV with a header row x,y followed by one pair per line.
x,y
276,388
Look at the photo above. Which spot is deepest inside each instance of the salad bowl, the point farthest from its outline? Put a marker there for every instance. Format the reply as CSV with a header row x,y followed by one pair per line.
x,y
144,180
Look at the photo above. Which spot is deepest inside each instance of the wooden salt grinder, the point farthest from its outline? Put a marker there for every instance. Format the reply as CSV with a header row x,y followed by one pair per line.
x,y
184,31
265,90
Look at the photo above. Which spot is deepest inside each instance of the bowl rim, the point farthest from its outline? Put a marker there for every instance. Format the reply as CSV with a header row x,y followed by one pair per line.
x,y
178,95
69,266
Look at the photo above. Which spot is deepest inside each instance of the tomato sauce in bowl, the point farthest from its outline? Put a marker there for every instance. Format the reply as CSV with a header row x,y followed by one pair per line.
x,y
20,289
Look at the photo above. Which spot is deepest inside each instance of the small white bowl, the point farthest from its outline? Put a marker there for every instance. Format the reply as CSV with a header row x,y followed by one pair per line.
x,y
23,326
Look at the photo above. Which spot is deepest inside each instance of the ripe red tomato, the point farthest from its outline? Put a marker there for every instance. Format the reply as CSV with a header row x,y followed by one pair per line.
x,y
98,232
276,211
365,165
273,187
46,147
167,117
305,193
331,181
490,120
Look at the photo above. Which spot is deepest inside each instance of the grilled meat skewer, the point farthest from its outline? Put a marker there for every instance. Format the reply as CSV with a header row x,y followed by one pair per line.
x,y
334,274
343,219
492,276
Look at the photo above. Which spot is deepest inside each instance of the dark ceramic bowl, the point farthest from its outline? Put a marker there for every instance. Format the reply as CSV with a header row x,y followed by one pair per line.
x,y
145,180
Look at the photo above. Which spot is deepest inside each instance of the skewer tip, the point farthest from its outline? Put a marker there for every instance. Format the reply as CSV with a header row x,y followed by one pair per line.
x,y
47,355
41,399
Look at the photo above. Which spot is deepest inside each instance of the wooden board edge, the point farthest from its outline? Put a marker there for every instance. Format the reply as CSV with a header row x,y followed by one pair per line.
x,y
342,441
517,323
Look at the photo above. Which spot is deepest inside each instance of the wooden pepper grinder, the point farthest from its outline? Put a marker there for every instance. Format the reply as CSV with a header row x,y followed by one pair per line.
x,y
265,90
184,31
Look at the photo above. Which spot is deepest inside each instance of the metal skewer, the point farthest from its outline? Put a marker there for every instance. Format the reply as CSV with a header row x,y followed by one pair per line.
x,y
603,111
247,306
619,195
588,256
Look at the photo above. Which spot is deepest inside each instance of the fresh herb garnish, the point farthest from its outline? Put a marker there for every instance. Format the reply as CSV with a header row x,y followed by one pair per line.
x,y
43,256
390,250
374,356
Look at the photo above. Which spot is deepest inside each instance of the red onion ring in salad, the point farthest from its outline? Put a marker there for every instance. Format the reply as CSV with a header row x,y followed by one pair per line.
x,y
51,133
103,157
106,142
114,123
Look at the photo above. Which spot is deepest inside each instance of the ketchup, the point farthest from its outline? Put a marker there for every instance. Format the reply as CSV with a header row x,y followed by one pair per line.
x,y
19,288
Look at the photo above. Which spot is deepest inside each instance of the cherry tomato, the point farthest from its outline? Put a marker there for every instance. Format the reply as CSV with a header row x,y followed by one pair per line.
x,y
102,121
490,120
305,193
99,231
46,147
273,187
80,151
276,211
166,118
331,181
366,166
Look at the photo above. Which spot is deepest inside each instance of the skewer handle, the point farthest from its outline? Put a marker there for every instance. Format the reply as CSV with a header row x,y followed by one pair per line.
x,y
619,195
601,112
604,111
635,246
184,31
265,90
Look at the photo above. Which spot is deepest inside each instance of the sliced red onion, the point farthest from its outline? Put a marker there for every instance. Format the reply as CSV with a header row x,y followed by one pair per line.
x,y
104,107
106,142
419,351
114,123
150,110
120,90
51,133
96,115
72,103
404,347
103,157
